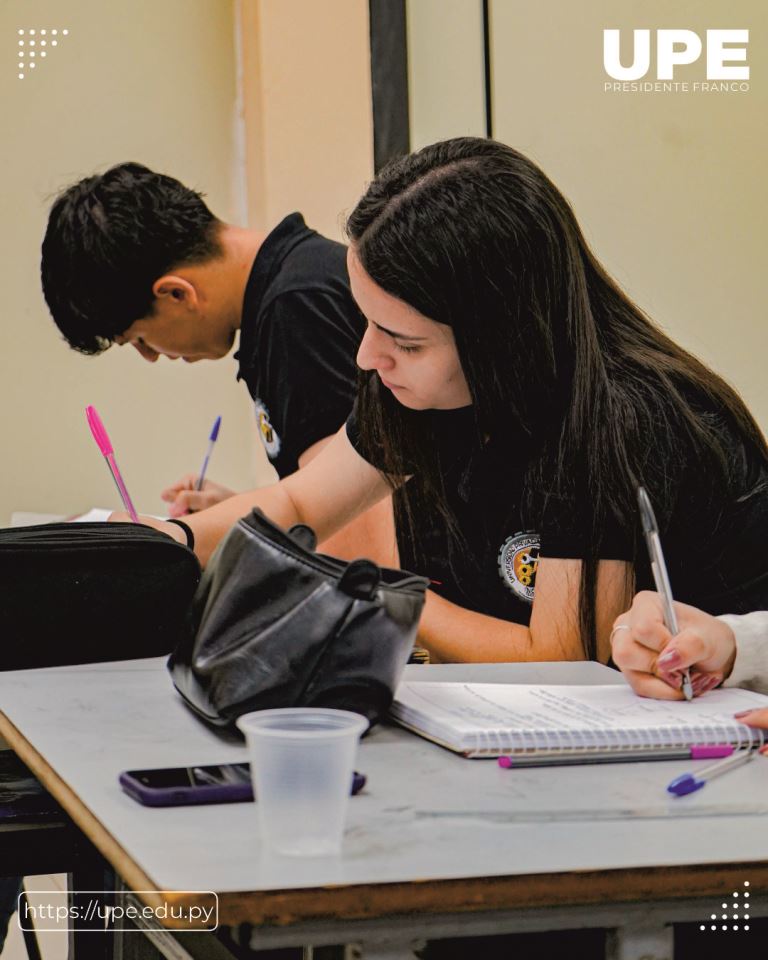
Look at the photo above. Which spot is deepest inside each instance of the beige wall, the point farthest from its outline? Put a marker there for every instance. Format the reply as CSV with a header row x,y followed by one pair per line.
x,y
159,83
446,80
307,107
671,189
145,81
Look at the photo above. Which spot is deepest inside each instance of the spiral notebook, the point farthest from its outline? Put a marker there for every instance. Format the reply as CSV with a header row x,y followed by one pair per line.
x,y
571,724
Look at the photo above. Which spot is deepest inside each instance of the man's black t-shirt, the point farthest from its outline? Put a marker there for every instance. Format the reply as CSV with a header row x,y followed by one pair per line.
x,y
299,336
717,554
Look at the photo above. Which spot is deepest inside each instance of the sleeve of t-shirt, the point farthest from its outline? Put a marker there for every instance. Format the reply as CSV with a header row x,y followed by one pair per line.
x,y
564,536
372,456
750,668
307,348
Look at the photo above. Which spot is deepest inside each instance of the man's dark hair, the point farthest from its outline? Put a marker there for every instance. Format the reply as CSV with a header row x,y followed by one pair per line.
x,y
109,237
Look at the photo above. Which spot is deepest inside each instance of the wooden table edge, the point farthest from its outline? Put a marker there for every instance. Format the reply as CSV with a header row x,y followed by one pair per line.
x,y
369,901
78,812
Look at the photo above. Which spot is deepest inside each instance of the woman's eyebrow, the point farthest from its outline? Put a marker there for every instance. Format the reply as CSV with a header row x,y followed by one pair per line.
x,y
395,334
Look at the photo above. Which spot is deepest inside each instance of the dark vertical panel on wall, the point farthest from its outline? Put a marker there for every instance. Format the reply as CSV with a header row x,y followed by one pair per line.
x,y
389,75
487,68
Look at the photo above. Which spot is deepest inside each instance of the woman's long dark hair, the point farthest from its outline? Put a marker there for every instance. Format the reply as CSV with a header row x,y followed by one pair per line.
x,y
472,234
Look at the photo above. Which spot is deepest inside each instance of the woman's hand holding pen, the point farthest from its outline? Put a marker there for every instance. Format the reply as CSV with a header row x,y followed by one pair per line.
x,y
653,660
184,497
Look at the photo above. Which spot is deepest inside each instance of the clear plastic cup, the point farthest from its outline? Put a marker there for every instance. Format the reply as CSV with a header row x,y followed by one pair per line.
x,y
302,761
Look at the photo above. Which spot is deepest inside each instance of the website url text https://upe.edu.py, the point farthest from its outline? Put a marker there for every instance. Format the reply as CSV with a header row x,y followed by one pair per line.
x,y
193,911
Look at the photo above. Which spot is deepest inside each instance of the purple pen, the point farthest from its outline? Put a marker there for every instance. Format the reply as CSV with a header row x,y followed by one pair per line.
x,y
102,439
211,440
691,782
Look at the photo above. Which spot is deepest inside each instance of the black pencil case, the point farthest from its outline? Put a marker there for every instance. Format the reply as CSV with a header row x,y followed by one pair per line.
x,y
90,592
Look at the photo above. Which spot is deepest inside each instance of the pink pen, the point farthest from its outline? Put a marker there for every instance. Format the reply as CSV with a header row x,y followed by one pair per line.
x,y
101,438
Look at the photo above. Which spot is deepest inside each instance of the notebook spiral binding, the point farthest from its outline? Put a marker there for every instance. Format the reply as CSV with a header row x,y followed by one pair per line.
x,y
532,743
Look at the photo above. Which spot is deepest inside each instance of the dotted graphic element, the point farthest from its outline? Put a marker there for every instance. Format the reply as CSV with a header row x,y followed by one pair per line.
x,y
32,44
735,906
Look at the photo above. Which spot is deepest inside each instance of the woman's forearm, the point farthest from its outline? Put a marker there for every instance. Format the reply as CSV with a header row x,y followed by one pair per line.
x,y
453,634
211,525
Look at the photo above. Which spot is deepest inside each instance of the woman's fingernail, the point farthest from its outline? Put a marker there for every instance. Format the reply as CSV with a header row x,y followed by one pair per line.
x,y
669,659
700,683
743,713
674,680
704,682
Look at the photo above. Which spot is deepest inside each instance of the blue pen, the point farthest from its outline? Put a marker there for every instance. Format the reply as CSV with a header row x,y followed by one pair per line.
x,y
211,441
691,782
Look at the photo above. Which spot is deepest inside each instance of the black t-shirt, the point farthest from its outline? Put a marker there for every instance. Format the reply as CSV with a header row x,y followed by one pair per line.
x,y
716,554
299,336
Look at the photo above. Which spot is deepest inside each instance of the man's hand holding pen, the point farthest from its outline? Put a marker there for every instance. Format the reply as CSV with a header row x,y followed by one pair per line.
x,y
185,496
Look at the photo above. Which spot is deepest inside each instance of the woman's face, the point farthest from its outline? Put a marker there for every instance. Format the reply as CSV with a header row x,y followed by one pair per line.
x,y
414,357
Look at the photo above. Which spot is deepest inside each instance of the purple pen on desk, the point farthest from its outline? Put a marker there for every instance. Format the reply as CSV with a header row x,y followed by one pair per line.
x,y
102,439
691,782
211,441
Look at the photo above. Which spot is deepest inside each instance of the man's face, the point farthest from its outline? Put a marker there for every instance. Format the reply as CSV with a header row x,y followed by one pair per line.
x,y
178,328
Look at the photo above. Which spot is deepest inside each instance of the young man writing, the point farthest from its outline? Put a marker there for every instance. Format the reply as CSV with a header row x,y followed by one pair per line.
x,y
134,257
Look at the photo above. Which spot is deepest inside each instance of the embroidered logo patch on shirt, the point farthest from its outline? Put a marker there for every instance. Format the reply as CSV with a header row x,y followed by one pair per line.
x,y
267,432
518,562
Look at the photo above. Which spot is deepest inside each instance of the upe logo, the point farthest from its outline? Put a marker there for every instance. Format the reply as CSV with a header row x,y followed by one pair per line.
x,y
677,48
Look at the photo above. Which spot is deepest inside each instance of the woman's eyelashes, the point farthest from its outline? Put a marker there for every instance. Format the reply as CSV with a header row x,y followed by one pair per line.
x,y
406,348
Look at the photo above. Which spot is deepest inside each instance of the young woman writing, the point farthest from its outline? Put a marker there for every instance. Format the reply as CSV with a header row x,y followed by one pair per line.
x,y
527,397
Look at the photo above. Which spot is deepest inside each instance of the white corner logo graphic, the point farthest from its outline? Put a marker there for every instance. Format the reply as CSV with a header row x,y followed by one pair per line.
x,y
739,914
33,46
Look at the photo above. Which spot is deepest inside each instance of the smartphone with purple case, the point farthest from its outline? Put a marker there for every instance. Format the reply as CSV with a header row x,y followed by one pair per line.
x,y
188,786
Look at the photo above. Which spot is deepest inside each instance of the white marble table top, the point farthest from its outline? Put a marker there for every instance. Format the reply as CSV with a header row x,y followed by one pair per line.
x,y
424,814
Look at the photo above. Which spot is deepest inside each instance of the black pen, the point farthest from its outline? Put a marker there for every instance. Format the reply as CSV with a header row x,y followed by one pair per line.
x,y
660,575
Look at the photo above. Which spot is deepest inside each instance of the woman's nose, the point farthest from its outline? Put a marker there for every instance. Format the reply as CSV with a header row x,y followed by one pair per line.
x,y
372,355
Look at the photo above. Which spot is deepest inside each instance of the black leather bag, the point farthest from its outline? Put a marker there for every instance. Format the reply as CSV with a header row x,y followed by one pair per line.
x,y
282,626
89,592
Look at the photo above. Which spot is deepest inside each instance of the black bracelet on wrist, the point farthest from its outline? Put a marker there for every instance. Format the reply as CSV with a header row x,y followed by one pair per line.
x,y
187,532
